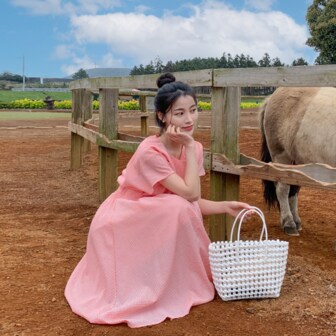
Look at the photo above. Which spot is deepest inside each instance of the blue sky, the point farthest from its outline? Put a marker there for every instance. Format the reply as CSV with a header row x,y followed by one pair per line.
x,y
55,38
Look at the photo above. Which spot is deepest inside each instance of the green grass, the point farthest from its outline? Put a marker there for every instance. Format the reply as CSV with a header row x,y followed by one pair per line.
x,y
18,115
253,99
9,96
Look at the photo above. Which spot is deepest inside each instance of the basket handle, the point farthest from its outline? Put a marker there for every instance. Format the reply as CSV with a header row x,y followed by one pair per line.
x,y
242,215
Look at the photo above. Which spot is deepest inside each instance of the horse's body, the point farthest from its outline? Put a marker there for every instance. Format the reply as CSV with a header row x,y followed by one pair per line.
x,y
298,126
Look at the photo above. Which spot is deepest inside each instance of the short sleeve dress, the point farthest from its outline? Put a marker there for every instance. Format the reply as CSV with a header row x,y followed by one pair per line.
x,y
147,251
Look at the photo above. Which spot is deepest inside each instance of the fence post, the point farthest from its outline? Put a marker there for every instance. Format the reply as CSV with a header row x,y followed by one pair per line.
x,y
224,139
143,118
76,140
87,114
108,126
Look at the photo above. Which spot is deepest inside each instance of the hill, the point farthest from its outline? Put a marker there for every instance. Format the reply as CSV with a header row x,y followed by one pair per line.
x,y
107,72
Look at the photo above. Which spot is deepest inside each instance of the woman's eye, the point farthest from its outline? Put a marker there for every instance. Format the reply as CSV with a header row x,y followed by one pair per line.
x,y
193,110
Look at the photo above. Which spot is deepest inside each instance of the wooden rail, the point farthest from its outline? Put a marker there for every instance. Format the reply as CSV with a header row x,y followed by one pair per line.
x,y
224,160
313,175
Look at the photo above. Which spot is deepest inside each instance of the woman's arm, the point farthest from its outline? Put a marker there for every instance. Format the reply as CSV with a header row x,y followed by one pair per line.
x,y
189,187
215,208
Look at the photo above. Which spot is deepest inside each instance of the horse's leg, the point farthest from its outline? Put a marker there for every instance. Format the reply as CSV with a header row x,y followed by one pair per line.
x,y
286,218
293,204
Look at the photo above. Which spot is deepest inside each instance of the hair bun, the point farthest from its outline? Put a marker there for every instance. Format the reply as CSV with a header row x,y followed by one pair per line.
x,y
165,79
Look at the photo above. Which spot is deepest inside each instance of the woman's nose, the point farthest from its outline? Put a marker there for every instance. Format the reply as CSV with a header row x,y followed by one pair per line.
x,y
188,117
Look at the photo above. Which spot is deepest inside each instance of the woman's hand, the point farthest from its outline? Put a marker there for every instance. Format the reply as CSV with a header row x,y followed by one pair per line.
x,y
175,134
233,208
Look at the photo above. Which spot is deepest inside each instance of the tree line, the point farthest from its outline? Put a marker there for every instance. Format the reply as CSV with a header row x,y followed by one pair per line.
x,y
8,76
198,63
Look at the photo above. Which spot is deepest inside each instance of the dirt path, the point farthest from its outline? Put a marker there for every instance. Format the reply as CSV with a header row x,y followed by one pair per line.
x,y
45,213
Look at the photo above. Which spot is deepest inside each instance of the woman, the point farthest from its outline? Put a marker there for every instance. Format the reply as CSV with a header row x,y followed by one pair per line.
x,y
147,250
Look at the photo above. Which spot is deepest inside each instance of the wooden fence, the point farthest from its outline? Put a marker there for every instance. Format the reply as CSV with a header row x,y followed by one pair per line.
x,y
224,160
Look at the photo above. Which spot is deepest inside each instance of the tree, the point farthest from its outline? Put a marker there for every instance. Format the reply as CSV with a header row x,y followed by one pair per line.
x,y
169,67
230,61
149,68
81,73
321,20
299,61
223,62
265,61
135,71
8,76
250,62
277,63
158,65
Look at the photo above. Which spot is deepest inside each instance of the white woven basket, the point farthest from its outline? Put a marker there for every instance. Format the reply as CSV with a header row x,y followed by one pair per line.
x,y
248,269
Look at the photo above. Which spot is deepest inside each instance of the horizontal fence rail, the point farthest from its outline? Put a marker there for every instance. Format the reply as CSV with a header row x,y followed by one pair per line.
x,y
193,78
314,175
318,75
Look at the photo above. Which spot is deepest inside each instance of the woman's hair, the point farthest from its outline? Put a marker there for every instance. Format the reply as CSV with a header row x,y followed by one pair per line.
x,y
169,91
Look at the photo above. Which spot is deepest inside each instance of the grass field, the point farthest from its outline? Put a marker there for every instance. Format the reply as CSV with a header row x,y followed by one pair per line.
x,y
23,115
7,96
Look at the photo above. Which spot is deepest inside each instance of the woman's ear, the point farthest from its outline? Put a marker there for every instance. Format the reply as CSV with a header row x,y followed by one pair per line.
x,y
161,117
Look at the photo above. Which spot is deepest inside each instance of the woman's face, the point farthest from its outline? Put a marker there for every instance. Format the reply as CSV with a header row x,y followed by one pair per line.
x,y
183,114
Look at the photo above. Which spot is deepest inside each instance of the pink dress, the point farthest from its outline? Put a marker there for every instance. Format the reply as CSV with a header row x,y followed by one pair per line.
x,y
147,250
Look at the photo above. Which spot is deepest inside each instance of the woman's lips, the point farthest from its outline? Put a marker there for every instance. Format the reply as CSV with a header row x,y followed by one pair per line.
x,y
188,128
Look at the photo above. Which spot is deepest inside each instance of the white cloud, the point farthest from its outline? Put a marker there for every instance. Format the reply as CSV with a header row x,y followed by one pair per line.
x,y
109,61
263,5
63,52
86,62
211,29
78,63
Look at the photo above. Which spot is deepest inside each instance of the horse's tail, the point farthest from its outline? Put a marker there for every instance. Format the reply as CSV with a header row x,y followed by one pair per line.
x,y
265,156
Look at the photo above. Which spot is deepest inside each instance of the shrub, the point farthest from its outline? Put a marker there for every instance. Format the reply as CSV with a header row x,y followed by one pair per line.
x,y
248,105
128,105
122,105
27,104
95,104
204,106
4,105
63,105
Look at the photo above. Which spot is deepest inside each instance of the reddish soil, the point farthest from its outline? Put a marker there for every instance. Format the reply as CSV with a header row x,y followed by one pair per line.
x,y
46,210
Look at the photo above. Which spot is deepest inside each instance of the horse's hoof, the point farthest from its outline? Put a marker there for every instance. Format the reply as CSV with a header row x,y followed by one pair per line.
x,y
290,231
298,225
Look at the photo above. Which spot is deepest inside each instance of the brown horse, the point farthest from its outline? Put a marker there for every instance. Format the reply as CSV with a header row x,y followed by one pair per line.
x,y
298,126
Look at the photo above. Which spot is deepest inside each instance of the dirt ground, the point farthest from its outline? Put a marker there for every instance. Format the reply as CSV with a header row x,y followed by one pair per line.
x,y
45,213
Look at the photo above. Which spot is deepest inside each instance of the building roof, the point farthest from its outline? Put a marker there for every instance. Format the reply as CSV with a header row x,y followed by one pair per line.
x,y
108,72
